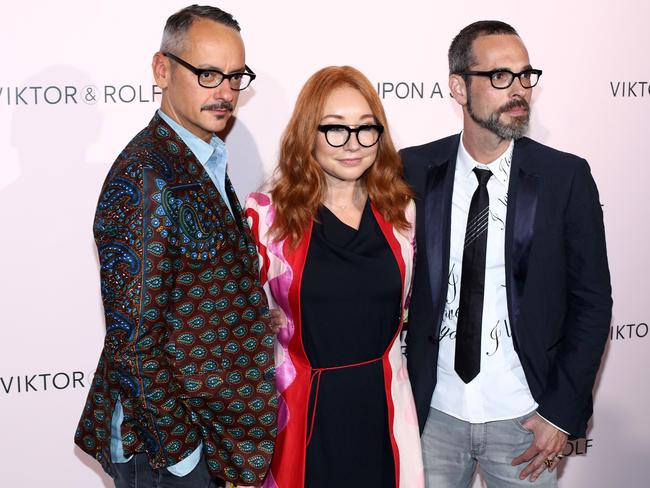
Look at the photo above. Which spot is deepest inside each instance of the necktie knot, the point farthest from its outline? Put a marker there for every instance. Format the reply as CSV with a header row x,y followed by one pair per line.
x,y
483,175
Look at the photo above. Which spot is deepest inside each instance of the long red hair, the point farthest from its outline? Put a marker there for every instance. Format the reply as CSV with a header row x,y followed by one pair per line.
x,y
299,185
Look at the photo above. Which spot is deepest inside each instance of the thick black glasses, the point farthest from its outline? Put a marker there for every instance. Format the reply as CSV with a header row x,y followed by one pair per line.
x,y
338,135
503,78
212,78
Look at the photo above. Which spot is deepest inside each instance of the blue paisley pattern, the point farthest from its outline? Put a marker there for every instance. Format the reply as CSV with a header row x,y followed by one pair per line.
x,y
113,254
118,189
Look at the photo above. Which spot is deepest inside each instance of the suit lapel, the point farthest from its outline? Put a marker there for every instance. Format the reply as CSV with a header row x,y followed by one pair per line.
x,y
188,169
237,213
520,224
437,226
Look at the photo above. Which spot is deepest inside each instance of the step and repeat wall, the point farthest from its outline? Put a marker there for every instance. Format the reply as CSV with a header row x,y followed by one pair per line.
x,y
76,85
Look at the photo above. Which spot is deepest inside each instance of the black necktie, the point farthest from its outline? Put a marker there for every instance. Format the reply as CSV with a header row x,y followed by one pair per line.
x,y
472,282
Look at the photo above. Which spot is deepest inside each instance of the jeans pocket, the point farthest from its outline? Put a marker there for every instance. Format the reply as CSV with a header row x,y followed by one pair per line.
x,y
519,422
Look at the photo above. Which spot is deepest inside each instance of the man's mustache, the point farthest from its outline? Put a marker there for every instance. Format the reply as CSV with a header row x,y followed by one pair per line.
x,y
223,105
515,104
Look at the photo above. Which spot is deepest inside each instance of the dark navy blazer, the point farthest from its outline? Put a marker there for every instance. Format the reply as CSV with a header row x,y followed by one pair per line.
x,y
557,276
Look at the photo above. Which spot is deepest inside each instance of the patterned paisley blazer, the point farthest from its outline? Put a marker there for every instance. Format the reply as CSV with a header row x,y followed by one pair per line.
x,y
281,273
188,349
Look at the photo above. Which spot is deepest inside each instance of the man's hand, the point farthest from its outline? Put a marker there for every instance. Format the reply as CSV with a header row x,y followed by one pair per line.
x,y
278,319
543,453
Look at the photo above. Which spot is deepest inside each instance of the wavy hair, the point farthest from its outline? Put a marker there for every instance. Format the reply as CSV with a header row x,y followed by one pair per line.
x,y
299,185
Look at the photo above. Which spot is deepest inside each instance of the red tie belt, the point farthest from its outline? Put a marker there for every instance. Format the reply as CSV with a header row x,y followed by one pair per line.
x,y
316,373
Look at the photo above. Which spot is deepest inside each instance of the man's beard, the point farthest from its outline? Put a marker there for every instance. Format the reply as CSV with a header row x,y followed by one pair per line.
x,y
516,129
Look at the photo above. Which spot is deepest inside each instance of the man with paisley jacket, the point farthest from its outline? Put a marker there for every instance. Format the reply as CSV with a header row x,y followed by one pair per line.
x,y
184,391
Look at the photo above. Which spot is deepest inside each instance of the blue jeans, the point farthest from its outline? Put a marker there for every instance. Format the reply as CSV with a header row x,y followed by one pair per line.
x,y
452,449
137,473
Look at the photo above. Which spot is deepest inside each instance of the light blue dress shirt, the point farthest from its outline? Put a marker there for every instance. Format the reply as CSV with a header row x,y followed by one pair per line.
x,y
214,158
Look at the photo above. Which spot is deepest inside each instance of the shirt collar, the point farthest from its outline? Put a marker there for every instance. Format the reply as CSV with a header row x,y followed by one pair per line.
x,y
500,167
201,149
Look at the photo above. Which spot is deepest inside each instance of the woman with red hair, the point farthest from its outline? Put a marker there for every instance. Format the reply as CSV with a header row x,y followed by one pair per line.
x,y
335,235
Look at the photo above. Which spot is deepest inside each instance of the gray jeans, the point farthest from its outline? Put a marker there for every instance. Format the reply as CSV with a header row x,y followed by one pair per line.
x,y
452,449
137,473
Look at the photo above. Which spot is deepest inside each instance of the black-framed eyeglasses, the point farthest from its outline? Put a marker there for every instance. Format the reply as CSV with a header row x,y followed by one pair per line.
x,y
212,78
503,78
338,135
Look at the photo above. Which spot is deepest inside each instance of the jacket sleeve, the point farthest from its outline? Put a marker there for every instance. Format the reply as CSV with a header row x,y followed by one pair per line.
x,y
136,332
566,401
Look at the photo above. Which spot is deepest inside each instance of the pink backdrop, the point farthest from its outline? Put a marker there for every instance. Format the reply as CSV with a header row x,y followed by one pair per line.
x,y
75,86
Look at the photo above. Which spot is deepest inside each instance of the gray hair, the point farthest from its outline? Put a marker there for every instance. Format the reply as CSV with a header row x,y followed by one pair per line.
x,y
461,55
178,24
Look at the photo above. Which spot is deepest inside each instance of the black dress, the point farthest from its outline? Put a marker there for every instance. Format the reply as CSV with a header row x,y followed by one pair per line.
x,y
350,305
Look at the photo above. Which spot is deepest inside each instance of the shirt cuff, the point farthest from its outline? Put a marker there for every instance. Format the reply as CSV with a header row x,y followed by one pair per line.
x,y
184,467
549,422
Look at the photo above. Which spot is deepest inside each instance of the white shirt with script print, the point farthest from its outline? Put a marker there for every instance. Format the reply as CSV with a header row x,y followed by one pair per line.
x,y
500,390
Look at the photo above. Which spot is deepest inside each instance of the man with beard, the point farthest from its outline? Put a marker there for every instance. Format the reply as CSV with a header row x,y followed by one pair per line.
x,y
184,392
511,298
